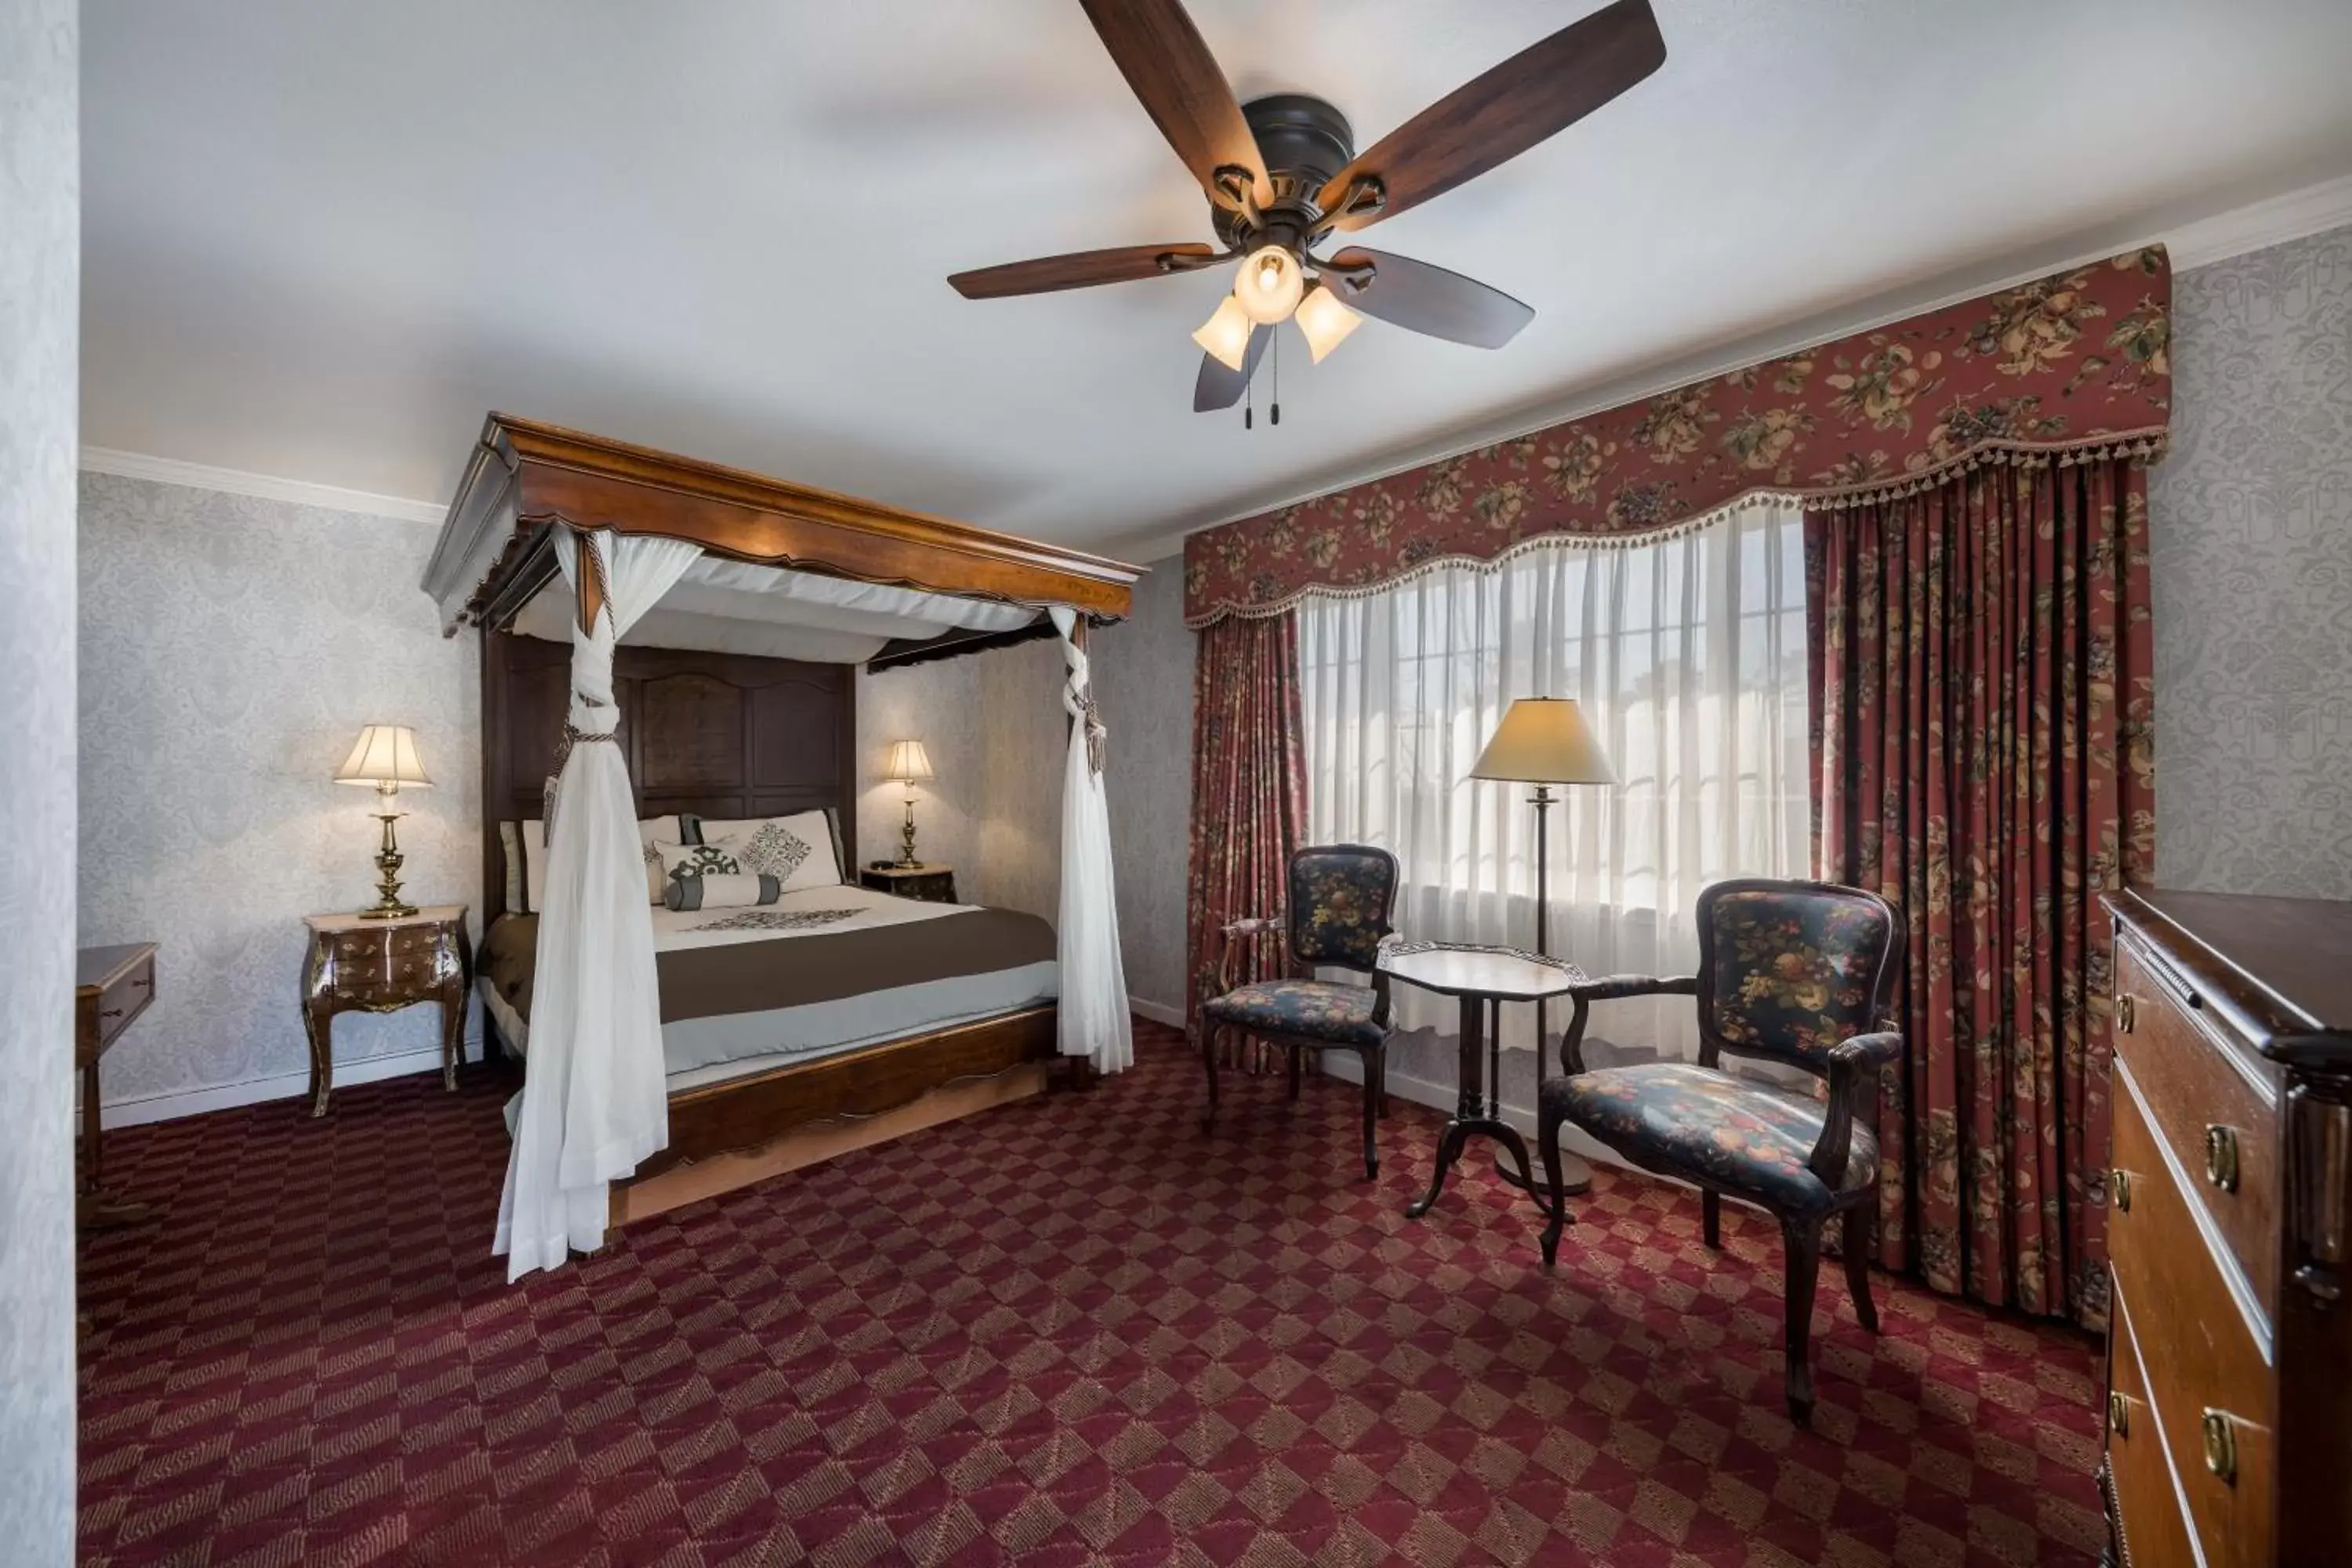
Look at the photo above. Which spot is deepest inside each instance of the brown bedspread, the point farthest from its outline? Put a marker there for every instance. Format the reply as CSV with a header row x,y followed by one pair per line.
x,y
791,972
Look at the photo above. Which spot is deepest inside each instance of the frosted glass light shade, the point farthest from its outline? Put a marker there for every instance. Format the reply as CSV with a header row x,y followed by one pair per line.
x,y
384,754
1269,284
1325,321
908,763
1544,740
1225,336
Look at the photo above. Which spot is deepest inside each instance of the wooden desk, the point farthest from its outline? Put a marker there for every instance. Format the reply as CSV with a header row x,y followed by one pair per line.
x,y
113,986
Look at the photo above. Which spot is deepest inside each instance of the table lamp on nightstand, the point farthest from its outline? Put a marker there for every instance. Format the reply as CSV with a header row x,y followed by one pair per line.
x,y
909,766
385,756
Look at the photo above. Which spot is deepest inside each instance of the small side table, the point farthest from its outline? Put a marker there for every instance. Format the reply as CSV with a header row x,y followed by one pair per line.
x,y
1484,978
381,966
113,986
931,882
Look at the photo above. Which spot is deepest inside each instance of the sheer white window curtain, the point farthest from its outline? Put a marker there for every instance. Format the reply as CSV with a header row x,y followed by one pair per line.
x,y
1689,655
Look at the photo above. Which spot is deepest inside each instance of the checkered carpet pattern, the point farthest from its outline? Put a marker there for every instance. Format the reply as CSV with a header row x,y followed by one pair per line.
x,y
1067,1331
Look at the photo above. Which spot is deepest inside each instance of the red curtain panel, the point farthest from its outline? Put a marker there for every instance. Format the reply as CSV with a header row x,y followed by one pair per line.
x,y
1983,671
1249,791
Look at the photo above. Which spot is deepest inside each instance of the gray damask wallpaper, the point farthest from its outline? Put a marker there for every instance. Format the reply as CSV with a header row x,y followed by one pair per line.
x,y
231,649
2251,520
1143,684
40,245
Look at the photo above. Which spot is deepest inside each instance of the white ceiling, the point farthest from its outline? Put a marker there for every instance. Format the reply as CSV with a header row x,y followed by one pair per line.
x,y
321,238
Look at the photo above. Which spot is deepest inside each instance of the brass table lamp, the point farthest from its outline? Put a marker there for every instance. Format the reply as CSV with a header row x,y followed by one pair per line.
x,y
909,766
385,756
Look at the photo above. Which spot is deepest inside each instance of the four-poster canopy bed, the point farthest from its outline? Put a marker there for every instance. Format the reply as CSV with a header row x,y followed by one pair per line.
x,y
713,619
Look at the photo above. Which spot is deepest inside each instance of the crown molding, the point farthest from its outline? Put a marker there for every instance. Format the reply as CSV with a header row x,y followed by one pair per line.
x,y
267,487
2190,238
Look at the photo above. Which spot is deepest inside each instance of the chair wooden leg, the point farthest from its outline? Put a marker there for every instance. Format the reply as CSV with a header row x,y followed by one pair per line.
x,y
1854,1240
1295,1054
1555,1183
1710,1219
1375,1074
1803,1238
1209,1033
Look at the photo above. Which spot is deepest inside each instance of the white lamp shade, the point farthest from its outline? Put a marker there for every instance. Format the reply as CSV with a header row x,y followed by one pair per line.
x,y
908,763
1225,336
1325,321
384,754
1269,284
1544,740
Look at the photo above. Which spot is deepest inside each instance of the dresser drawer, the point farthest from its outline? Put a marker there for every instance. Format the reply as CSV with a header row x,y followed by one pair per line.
x,y
2148,1509
2214,1105
124,996
2207,1373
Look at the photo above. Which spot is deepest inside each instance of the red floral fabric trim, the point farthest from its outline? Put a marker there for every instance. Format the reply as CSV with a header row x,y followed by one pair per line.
x,y
2077,364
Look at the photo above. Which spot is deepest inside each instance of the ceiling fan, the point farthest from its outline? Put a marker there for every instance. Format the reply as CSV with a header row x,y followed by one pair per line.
x,y
1282,173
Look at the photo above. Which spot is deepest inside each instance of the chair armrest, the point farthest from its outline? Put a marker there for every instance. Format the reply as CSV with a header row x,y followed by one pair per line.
x,y
1610,988
1853,1064
1233,933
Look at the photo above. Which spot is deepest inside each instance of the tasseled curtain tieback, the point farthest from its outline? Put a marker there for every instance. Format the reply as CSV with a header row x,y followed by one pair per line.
x,y
1096,733
573,736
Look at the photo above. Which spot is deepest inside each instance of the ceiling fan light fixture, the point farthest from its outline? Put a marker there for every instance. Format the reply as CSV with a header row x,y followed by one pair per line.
x,y
1224,337
1325,321
1269,284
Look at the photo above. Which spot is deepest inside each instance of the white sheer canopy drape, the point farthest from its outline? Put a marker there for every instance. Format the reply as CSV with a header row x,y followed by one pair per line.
x,y
1094,1016
1688,656
594,1098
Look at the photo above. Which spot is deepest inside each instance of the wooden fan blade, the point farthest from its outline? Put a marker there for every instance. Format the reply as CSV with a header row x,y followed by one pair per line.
x,y
1537,93
1081,270
1424,299
1159,52
1218,388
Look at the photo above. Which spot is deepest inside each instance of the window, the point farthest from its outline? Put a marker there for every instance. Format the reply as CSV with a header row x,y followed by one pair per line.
x,y
1689,655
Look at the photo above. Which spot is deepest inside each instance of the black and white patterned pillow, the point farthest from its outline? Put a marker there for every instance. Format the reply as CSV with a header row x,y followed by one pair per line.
x,y
774,850
718,858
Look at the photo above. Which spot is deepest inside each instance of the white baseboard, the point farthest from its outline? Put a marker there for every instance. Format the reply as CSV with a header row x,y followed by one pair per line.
x,y
281,1086
1158,1012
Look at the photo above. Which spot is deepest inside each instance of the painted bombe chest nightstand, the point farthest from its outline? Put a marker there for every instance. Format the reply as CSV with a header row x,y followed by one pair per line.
x,y
932,883
356,965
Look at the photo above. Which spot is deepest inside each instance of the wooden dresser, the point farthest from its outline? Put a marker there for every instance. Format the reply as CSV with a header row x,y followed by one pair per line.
x,y
2229,1434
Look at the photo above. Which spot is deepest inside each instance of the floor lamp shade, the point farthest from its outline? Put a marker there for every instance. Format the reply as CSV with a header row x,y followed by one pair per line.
x,y
1544,740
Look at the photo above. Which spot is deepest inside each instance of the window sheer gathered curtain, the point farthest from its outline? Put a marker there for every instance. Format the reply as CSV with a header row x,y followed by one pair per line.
x,y
1689,655
1093,1021
593,1101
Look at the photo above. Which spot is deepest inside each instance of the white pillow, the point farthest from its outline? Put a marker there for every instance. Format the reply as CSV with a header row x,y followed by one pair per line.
x,y
526,842
798,849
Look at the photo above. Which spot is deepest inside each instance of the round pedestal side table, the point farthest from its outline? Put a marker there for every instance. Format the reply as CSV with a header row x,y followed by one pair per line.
x,y
1483,979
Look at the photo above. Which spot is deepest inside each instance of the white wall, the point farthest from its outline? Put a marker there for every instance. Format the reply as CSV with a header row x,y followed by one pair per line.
x,y
231,649
40,241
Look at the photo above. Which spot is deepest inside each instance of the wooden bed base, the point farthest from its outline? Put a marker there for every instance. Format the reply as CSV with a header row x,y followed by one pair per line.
x,y
729,1134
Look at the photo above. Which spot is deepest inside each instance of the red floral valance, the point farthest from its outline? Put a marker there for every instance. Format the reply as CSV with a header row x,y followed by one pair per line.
x,y
2077,362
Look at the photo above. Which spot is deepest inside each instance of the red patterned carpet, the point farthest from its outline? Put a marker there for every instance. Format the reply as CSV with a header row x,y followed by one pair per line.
x,y
1065,1332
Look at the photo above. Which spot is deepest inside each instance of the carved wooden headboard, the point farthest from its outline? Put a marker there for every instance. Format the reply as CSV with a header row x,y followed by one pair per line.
x,y
720,734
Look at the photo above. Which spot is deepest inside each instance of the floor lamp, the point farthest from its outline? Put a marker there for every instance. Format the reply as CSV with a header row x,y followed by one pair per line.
x,y
1543,740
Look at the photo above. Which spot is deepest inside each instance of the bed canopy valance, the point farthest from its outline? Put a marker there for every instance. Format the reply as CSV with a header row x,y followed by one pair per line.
x,y
846,580
572,537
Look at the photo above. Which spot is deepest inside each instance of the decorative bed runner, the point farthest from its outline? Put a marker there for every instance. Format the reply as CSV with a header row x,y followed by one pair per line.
x,y
779,919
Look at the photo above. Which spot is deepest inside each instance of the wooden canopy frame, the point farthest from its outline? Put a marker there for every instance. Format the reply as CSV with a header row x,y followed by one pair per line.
x,y
525,477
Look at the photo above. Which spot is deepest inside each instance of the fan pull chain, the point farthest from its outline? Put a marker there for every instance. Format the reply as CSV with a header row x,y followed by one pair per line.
x,y
1277,380
1249,395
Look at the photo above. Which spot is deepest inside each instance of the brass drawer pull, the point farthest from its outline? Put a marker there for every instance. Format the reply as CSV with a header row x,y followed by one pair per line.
x,y
2221,1445
2126,1013
2221,1156
2118,1414
2119,1189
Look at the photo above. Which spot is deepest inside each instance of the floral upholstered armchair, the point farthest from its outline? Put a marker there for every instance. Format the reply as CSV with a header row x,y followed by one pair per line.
x,y
1796,973
1339,897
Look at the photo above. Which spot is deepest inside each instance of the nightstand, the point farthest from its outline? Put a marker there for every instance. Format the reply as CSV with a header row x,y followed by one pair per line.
x,y
932,882
381,966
